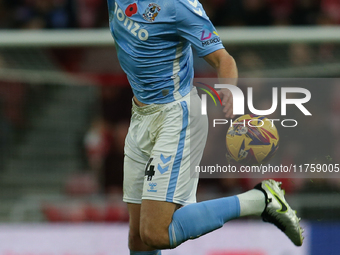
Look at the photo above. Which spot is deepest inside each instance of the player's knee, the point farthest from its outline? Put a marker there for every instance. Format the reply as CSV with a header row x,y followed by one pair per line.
x,y
154,237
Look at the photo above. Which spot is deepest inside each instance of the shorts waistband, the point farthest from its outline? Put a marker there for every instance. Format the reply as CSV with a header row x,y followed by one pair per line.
x,y
153,108
147,109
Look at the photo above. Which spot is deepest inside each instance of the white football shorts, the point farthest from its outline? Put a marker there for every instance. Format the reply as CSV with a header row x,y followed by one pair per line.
x,y
162,144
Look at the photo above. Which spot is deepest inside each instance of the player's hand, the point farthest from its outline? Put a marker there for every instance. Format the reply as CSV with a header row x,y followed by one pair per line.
x,y
227,102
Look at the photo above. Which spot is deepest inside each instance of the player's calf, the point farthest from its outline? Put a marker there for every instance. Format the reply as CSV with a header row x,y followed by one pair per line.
x,y
155,219
135,241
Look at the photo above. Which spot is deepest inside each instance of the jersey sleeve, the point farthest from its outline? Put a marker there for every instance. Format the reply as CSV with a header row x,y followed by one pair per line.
x,y
194,25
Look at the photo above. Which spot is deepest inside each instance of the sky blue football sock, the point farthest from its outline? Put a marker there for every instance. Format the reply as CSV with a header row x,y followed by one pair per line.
x,y
145,253
198,219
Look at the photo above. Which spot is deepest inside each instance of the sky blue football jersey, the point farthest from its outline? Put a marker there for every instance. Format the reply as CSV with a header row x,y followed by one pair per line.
x,y
153,40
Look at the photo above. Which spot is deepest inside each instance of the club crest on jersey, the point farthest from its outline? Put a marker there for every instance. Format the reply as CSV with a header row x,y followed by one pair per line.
x,y
151,12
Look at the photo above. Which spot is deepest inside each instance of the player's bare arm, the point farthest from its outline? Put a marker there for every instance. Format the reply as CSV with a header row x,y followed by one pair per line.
x,y
226,69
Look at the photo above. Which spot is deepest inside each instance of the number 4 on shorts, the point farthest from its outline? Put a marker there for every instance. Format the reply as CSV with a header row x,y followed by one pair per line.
x,y
149,170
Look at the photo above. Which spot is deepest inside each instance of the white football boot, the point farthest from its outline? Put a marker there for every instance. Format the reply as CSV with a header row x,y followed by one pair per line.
x,y
278,211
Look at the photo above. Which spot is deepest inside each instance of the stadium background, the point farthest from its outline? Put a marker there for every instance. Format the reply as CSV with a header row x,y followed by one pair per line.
x,y
65,108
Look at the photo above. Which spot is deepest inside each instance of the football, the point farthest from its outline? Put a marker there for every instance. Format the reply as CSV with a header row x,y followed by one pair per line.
x,y
252,140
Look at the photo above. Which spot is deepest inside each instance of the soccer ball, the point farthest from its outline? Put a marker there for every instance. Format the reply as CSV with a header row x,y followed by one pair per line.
x,y
252,140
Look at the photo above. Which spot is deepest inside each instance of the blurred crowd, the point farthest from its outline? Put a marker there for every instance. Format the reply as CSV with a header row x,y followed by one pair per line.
x,y
273,12
38,14
12,103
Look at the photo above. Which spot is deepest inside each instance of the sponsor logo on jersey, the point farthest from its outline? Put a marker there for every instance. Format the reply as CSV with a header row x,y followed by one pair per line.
x,y
132,26
151,12
211,41
207,35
